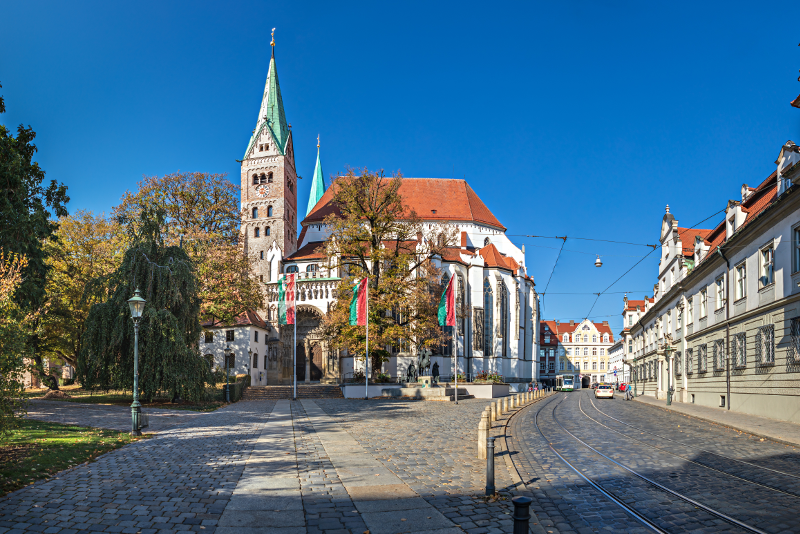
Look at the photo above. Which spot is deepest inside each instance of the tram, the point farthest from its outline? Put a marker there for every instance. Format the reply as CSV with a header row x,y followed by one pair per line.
x,y
565,383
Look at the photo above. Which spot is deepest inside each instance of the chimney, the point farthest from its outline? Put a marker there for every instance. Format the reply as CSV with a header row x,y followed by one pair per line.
x,y
463,240
605,323
571,322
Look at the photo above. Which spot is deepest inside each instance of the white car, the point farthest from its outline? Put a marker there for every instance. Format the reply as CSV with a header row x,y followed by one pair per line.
x,y
604,390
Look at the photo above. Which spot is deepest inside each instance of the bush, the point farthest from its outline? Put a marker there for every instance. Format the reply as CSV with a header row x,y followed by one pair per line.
x,y
383,378
485,376
68,382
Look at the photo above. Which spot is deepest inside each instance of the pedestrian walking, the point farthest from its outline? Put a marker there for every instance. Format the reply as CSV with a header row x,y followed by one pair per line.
x,y
628,393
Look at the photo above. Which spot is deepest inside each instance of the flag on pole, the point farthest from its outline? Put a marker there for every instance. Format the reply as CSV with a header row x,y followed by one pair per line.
x,y
286,299
447,305
358,304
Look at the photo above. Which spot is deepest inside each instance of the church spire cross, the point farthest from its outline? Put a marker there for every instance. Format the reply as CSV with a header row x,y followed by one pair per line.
x,y
271,116
317,184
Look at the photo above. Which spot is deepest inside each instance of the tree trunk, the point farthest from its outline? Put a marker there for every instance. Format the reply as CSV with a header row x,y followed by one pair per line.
x,y
48,380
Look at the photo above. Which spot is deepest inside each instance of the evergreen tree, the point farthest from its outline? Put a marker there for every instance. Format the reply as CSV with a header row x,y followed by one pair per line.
x,y
169,330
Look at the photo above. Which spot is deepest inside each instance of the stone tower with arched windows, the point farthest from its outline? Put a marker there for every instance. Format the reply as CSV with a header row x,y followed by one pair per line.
x,y
269,184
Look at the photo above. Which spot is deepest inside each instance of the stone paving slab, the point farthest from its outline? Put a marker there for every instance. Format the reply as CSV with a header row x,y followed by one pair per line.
x,y
106,415
763,427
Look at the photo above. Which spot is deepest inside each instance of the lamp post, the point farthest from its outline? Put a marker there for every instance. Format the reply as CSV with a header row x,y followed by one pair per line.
x,y
667,349
136,304
227,373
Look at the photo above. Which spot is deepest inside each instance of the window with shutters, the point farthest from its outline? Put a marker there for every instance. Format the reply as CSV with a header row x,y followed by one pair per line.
x,y
740,350
793,354
689,361
228,335
719,354
765,345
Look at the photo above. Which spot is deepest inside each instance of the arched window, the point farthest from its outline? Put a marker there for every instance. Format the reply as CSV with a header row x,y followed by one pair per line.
x,y
504,317
585,338
445,280
269,178
291,269
291,187
460,306
594,351
265,361
594,338
585,351
263,178
486,242
605,338
488,307
312,268
255,179
602,352
262,255
269,211
256,231
565,338
255,361
266,231
210,360
255,213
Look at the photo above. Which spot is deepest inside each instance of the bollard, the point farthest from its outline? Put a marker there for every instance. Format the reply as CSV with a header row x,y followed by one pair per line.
x,y
522,514
499,409
483,433
493,411
517,399
490,466
513,402
505,404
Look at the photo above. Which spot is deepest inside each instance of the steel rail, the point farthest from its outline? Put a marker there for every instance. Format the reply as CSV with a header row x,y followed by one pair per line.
x,y
691,501
747,480
701,449
636,515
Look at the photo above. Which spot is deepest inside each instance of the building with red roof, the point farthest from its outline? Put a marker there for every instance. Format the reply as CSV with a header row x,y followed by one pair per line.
x,y
498,334
722,328
578,348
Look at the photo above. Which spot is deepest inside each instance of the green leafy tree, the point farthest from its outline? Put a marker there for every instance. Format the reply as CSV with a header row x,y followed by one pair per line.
x,y
202,215
374,233
169,331
85,250
26,203
15,329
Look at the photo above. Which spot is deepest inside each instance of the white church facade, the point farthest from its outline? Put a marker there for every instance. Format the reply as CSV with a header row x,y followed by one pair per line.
x,y
498,332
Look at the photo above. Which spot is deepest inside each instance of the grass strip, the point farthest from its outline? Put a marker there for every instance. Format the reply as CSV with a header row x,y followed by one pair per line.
x,y
38,450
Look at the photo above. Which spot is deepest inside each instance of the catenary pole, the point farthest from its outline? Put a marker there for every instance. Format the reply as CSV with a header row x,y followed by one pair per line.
x,y
366,359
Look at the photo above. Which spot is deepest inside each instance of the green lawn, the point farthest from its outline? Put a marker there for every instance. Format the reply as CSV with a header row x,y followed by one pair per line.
x,y
125,398
38,450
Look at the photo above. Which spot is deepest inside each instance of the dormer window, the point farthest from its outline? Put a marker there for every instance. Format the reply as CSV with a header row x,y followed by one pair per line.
x,y
731,225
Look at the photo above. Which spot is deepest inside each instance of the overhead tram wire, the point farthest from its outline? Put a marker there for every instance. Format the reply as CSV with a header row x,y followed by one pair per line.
x,y
564,242
588,239
645,257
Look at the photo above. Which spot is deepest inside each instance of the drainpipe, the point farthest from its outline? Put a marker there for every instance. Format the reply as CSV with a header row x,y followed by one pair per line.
x,y
727,329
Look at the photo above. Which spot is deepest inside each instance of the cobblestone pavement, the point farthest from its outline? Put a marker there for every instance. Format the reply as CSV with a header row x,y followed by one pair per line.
x,y
105,416
179,480
690,465
431,446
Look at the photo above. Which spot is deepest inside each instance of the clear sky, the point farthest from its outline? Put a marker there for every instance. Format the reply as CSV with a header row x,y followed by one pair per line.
x,y
567,118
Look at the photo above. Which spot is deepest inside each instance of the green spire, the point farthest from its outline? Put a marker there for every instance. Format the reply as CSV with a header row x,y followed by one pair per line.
x,y
317,184
271,115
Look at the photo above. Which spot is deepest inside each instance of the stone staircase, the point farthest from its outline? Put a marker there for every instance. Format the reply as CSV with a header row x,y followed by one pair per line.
x,y
304,391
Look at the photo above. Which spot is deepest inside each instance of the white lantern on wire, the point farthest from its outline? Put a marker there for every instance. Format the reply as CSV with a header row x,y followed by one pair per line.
x,y
597,262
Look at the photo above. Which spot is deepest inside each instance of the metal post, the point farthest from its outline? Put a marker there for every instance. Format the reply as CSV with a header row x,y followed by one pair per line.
x,y
366,359
136,408
294,353
490,467
522,514
455,357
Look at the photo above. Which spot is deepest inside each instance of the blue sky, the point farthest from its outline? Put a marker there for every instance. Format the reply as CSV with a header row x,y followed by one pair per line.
x,y
581,119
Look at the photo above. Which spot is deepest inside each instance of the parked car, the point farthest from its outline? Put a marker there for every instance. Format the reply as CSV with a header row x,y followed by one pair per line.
x,y
622,386
604,390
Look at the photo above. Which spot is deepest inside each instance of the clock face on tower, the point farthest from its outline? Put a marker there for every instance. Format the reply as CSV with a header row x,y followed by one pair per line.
x,y
262,191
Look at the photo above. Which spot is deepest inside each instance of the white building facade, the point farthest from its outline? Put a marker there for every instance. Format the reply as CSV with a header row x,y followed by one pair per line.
x,y
723,326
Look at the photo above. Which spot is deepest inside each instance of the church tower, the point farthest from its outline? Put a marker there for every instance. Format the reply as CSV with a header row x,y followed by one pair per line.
x,y
269,183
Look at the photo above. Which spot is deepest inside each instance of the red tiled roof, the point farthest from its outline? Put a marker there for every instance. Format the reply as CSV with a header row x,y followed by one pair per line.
x,y
492,258
634,305
302,236
558,329
687,237
431,198
310,251
247,318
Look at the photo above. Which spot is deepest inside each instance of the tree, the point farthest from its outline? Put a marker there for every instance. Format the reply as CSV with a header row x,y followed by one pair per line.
x,y
15,329
374,233
25,210
202,215
85,250
169,331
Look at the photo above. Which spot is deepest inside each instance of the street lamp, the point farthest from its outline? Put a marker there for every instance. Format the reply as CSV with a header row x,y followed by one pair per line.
x,y
227,373
667,349
136,304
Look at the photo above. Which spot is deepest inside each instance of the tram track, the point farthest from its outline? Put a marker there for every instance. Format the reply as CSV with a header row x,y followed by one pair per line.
x,y
706,451
695,462
616,496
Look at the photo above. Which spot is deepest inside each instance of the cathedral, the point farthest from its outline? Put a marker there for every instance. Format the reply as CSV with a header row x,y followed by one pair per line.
x,y
498,334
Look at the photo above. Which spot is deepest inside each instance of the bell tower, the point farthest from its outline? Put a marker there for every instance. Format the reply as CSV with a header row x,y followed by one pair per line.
x,y
269,183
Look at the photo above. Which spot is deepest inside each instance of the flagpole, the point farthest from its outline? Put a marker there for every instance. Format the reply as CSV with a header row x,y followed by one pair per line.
x,y
294,361
366,360
455,357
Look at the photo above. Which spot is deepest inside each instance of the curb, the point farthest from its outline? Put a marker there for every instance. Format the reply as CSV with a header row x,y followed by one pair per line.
x,y
724,425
